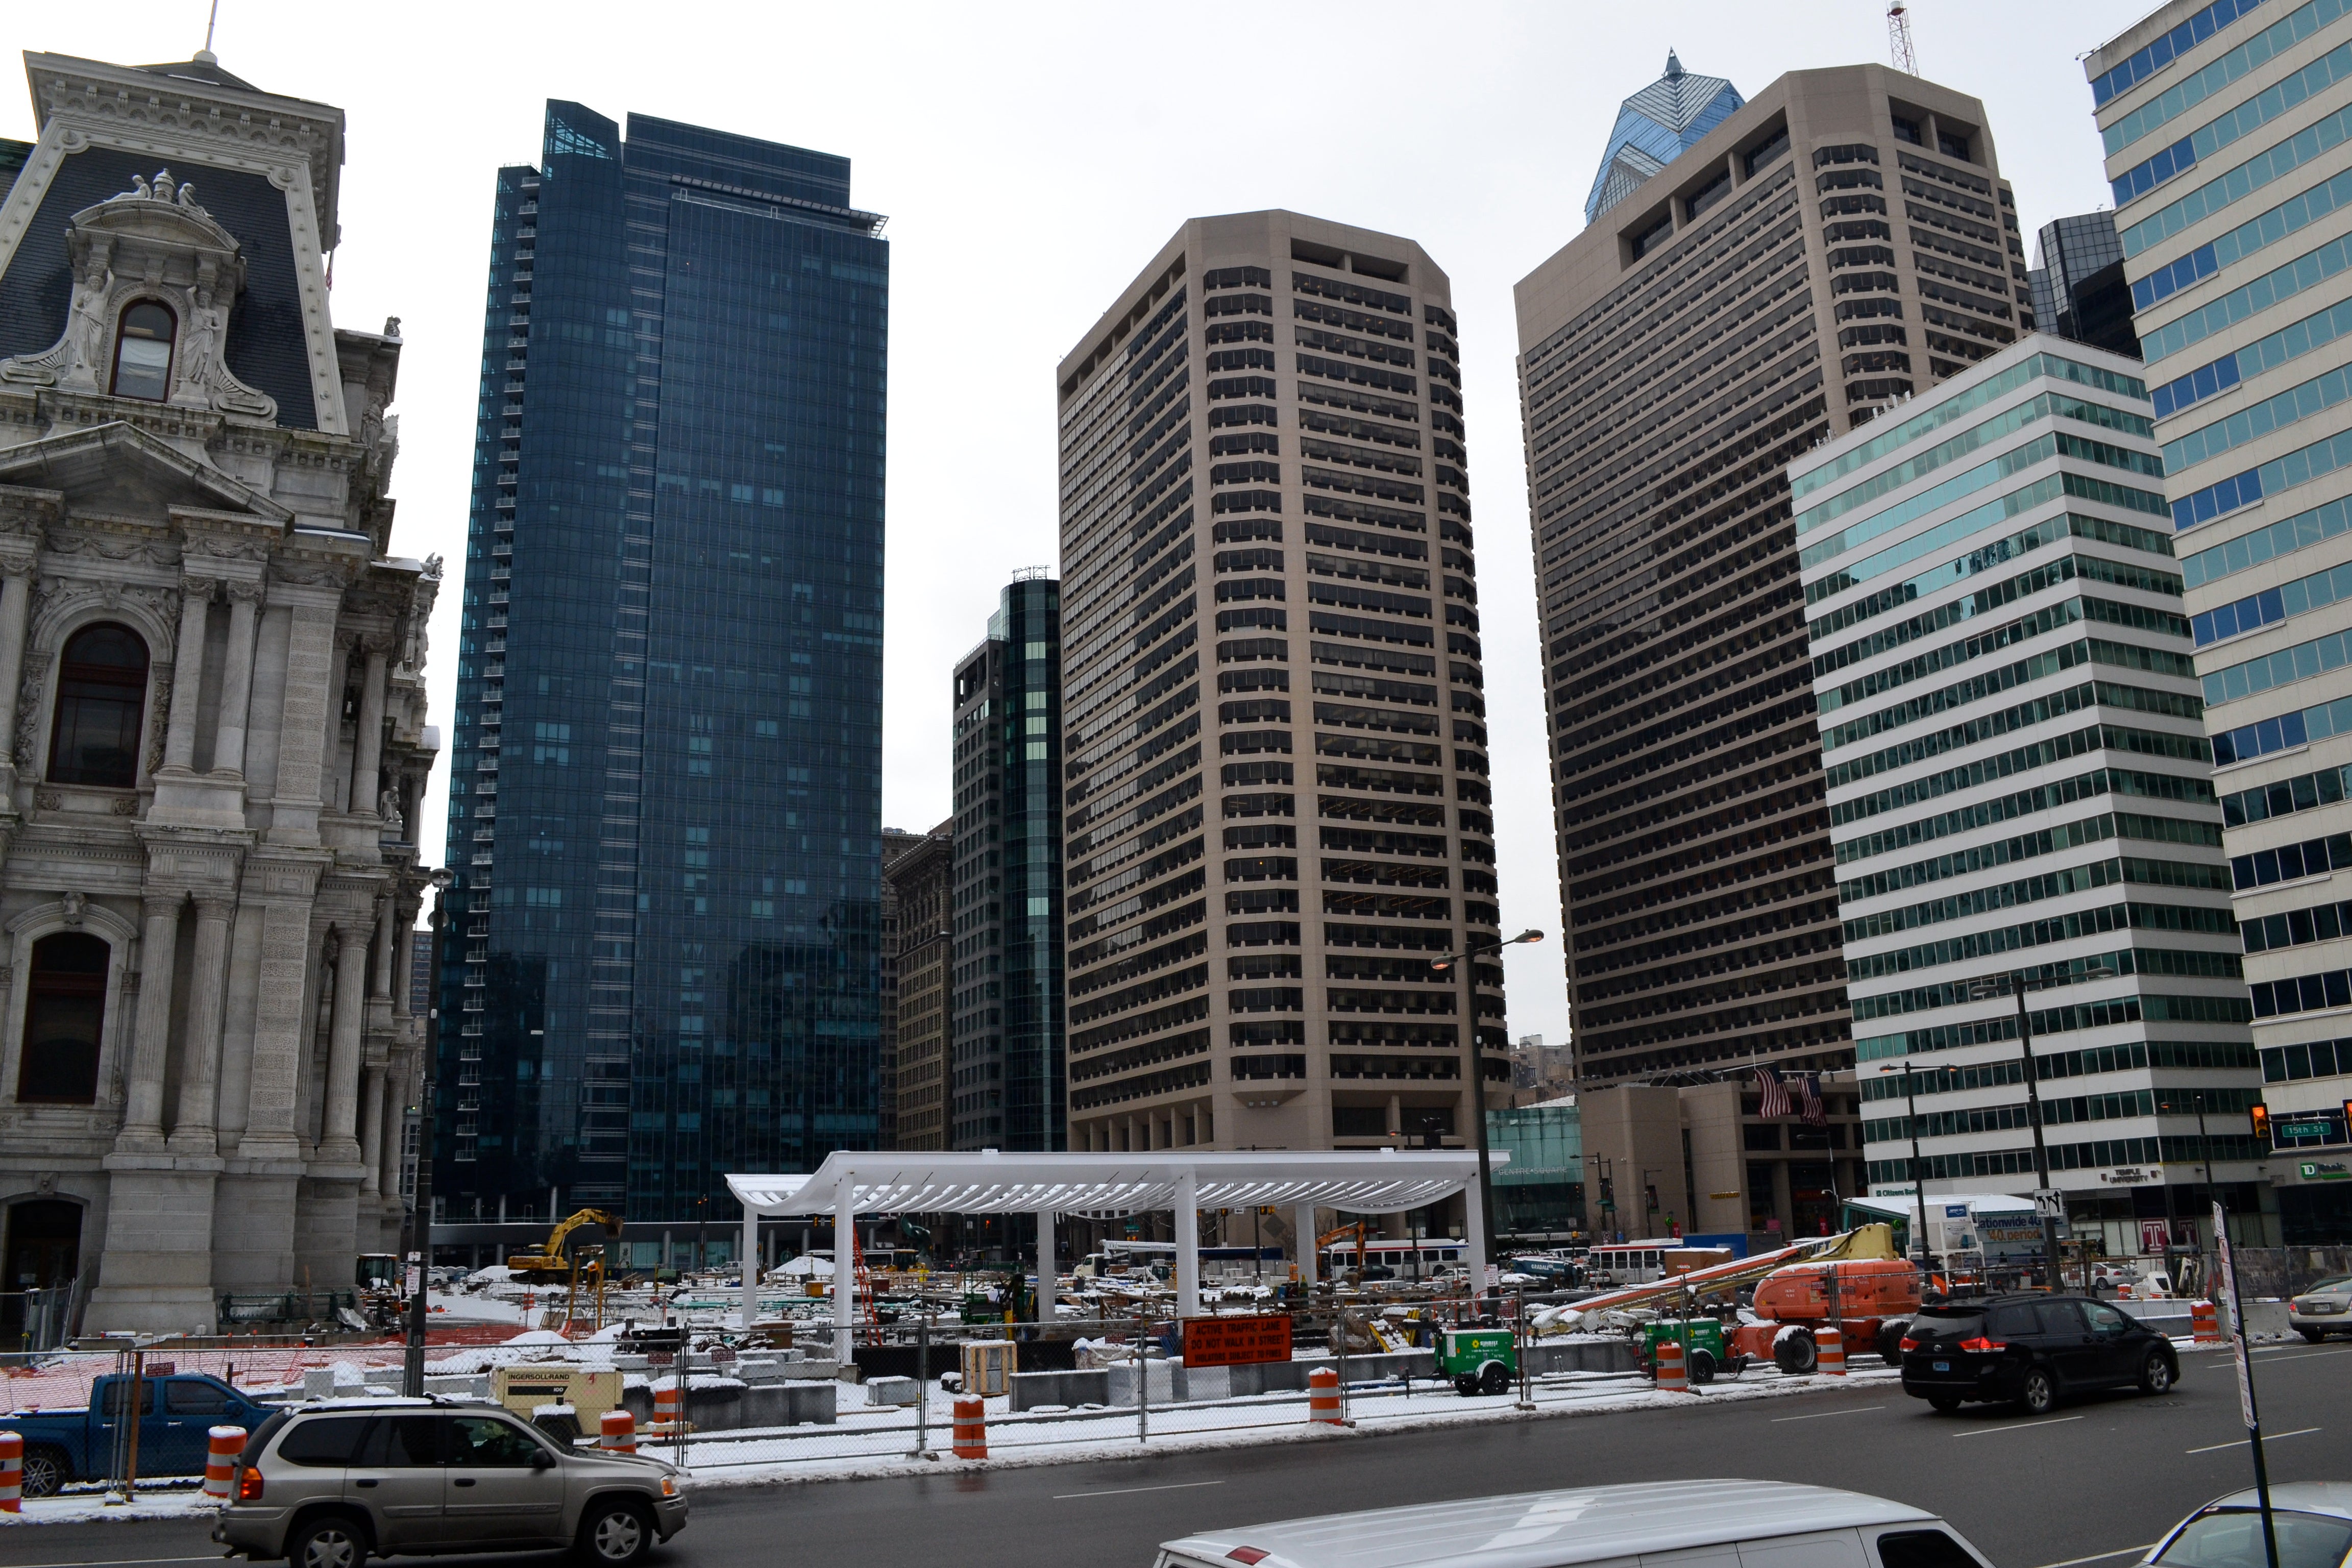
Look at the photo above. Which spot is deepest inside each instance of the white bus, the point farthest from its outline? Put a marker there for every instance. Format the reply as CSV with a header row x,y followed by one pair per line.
x,y
1627,1262
1401,1260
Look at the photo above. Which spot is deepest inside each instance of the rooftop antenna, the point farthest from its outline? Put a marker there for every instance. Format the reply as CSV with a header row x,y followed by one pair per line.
x,y
205,54
1898,38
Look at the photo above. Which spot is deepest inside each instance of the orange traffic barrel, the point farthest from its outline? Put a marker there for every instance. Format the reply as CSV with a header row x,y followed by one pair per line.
x,y
12,1472
971,1429
2206,1321
1671,1378
223,1445
666,1406
1323,1395
1830,1344
619,1434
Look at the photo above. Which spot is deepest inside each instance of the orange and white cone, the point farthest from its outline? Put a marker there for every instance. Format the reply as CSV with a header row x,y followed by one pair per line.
x,y
1323,1396
1830,1345
1672,1376
223,1445
2206,1321
971,1429
619,1434
12,1472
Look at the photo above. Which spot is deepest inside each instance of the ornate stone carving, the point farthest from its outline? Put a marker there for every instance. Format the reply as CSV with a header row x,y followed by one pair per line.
x,y
127,806
28,708
48,800
151,242
159,718
72,905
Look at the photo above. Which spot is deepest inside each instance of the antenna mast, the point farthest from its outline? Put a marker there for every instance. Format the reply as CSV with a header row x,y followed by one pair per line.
x,y
211,22
1898,38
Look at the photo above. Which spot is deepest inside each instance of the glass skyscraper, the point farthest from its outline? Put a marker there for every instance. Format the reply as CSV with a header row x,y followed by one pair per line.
x,y
1005,1087
662,957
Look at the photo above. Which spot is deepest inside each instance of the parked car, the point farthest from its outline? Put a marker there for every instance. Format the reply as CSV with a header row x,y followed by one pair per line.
x,y
2312,1521
1777,1521
326,1483
2030,1348
2325,1308
176,1414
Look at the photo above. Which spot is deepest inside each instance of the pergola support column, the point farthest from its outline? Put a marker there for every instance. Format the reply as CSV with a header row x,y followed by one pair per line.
x,y
845,1269
1046,1283
750,1256
1473,1238
1303,1223
1188,1244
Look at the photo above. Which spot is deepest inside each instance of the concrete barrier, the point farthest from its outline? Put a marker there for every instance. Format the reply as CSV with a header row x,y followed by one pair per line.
x,y
735,1406
1028,1390
1605,1355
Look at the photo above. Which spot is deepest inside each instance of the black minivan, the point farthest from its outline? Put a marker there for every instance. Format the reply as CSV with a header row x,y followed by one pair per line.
x,y
2030,1348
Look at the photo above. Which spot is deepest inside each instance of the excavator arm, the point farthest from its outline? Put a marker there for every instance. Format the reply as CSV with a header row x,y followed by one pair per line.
x,y
549,1258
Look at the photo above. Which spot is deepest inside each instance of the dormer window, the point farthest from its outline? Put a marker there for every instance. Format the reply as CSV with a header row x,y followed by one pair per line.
x,y
142,352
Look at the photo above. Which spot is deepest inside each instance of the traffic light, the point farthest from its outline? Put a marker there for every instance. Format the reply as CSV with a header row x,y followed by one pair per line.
x,y
2347,1121
2262,1115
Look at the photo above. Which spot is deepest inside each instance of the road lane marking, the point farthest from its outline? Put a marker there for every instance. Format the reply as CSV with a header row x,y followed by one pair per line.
x,y
1058,1496
2267,1437
117,1561
1817,1414
2102,1557
2019,1427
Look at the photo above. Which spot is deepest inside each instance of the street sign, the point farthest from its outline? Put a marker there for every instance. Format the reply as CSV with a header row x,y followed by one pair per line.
x,y
2050,1203
1236,1341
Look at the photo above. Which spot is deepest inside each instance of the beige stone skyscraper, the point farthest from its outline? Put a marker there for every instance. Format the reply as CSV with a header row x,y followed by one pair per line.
x,y
1274,790
1762,276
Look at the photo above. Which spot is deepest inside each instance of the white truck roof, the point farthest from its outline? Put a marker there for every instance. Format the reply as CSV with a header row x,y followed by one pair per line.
x,y
1544,1530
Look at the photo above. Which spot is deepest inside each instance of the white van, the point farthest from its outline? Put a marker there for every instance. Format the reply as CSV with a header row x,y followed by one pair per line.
x,y
1655,1524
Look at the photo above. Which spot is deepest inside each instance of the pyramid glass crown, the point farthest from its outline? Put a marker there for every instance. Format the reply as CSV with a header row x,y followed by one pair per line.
x,y
1656,126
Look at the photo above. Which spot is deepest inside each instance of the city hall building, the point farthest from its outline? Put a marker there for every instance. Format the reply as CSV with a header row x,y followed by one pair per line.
x,y
212,690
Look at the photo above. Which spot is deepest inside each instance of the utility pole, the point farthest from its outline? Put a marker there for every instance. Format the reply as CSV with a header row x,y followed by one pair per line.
x,y
412,1376
2041,1191
1473,1071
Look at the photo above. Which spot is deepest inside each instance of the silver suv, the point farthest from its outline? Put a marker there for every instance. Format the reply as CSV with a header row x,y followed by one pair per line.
x,y
324,1485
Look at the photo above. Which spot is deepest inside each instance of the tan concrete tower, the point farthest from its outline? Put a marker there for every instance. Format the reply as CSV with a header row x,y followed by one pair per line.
x,y
1275,769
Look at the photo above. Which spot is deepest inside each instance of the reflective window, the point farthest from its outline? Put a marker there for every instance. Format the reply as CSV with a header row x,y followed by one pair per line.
x,y
65,1008
486,1441
101,689
142,352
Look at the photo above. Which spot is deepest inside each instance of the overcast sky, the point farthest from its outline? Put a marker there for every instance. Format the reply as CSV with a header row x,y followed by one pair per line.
x,y
1031,158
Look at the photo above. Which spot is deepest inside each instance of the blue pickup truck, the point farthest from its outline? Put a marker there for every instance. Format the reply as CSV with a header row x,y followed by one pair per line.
x,y
177,1412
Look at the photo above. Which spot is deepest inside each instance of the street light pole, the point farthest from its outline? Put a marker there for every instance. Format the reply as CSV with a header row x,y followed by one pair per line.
x,y
412,1374
1919,1184
1474,1068
2041,1149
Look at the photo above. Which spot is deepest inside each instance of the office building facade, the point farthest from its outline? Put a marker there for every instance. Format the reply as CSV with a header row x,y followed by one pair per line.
x,y
1840,241
663,956
1275,786
212,683
2020,793
1005,1079
2078,284
917,889
2225,127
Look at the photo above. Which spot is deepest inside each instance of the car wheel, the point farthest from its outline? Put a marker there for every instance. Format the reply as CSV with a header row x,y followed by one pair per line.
x,y
1796,1354
2038,1393
1465,1383
1495,1378
1946,1402
2156,1373
45,1472
1890,1343
332,1540
616,1534
1702,1367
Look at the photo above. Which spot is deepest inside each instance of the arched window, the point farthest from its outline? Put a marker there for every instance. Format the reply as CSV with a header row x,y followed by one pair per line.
x,y
142,352
101,693
64,1008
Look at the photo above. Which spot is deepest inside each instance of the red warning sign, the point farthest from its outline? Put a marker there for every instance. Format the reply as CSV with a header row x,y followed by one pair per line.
x,y
1236,1341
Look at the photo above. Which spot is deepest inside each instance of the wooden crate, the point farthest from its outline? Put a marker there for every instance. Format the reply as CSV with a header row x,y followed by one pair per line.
x,y
988,1367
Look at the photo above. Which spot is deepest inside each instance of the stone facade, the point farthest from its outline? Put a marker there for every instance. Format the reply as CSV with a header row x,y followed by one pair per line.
x,y
206,1098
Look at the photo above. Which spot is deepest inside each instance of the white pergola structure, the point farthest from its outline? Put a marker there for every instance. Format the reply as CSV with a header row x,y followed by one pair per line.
x,y
1100,1186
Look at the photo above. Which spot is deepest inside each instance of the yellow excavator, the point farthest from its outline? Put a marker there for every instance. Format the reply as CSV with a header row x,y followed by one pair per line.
x,y
550,1265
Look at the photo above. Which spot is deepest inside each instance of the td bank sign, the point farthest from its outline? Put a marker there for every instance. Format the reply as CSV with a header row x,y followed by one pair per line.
x,y
2326,1171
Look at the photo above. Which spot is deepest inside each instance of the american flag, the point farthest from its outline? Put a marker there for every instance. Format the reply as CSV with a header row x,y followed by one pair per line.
x,y
1808,1094
1774,1093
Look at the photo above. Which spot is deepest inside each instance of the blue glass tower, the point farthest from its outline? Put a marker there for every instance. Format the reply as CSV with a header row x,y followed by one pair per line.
x,y
661,961
1656,126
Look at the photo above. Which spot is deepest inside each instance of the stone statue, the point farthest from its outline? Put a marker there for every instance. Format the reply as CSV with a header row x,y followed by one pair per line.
x,y
387,805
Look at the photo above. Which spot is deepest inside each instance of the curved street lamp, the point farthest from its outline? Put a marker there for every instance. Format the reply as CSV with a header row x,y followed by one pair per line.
x,y
1474,1068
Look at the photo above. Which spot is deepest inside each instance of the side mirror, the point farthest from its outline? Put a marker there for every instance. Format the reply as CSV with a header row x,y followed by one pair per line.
x,y
540,1459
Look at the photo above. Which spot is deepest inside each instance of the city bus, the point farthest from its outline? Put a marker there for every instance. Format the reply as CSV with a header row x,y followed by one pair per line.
x,y
1627,1262
1401,1259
